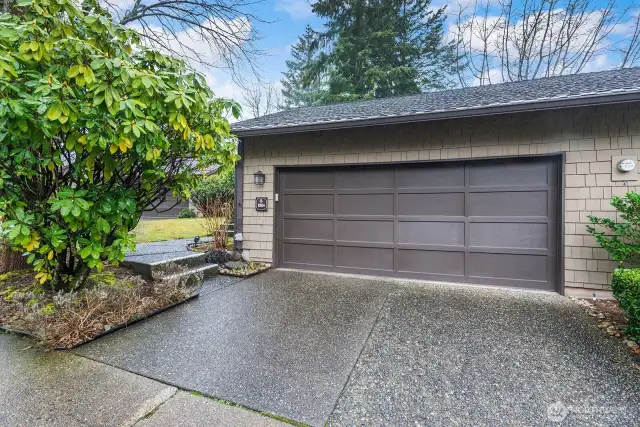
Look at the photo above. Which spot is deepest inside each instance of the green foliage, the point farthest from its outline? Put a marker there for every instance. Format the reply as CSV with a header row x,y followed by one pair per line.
x,y
381,48
93,129
294,90
625,285
218,187
187,213
620,238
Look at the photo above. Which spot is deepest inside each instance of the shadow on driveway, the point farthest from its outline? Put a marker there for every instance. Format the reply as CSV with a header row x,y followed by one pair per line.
x,y
424,354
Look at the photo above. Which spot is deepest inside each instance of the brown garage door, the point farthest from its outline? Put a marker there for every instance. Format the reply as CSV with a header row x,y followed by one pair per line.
x,y
489,222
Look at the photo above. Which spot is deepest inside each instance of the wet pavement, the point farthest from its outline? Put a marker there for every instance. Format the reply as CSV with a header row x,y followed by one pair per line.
x,y
39,389
279,342
441,355
351,351
61,389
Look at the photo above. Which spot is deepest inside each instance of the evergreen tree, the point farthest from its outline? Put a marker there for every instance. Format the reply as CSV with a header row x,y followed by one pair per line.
x,y
380,48
294,92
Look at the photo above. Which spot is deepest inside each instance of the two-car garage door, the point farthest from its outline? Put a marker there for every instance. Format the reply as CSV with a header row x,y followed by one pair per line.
x,y
491,222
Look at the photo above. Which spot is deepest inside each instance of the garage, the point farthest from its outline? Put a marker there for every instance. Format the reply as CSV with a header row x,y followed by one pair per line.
x,y
479,221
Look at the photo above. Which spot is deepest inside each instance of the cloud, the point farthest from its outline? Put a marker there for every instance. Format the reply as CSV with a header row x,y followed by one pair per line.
x,y
298,9
196,45
480,33
117,7
492,76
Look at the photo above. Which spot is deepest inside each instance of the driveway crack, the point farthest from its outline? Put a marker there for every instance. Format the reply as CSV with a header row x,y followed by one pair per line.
x,y
150,406
364,345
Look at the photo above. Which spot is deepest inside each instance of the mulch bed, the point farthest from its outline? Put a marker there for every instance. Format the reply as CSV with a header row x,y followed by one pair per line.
x,y
611,319
218,256
110,301
247,271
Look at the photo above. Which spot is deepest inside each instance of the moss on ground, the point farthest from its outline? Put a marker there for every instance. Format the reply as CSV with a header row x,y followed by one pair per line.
x,y
18,277
105,278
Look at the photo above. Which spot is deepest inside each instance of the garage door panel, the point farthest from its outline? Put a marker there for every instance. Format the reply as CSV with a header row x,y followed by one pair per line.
x,y
508,235
449,204
365,231
364,257
430,262
307,180
508,266
357,179
365,204
308,228
298,253
509,203
431,233
305,204
473,221
418,176
514,174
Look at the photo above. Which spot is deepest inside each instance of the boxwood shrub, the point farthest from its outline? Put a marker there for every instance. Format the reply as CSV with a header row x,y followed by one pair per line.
x,y
626,288
187,213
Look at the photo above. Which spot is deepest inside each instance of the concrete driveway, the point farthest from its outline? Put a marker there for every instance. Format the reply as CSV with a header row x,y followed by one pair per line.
x,y
354,351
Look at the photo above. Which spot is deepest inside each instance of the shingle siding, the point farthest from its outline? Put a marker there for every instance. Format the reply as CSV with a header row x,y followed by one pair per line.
x,y
590,136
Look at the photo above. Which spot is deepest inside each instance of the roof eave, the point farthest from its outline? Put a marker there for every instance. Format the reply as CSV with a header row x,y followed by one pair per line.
x,y
549,104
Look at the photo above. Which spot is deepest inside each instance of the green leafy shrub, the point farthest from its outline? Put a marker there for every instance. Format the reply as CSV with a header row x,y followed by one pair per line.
x,y
620,238
220,187
94,129
187,213
625,285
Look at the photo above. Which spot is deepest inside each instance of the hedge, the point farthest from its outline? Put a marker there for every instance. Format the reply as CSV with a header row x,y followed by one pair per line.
x,y
625,285
217,187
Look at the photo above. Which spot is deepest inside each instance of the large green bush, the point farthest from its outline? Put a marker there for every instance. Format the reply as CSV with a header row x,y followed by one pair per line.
x,y
620,238
94,129
626,288
218,187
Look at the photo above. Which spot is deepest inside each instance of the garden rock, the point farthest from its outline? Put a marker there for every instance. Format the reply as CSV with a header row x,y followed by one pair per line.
x,y
216,256
246,257
234,256
233,265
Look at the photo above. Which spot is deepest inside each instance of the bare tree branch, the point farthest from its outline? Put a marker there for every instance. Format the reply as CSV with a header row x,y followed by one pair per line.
x,y
208,33
631,52
261,99
529,39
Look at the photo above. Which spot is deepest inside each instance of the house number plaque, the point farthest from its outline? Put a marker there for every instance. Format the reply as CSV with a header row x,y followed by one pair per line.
x,y
261,204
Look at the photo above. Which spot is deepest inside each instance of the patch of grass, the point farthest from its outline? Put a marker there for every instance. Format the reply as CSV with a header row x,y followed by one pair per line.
x,y
158,230
284,419
246,408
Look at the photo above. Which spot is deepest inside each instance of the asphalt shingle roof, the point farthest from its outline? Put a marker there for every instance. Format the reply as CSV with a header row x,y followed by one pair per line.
x,y
551,92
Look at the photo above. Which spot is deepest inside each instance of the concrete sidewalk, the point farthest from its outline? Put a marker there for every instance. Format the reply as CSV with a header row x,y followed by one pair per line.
x,y
62,389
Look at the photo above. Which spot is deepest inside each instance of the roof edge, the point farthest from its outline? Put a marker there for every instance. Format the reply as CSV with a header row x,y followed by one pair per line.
x,y
520,107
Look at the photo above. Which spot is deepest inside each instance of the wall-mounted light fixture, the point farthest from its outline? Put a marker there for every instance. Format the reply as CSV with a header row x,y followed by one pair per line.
x,y
258,178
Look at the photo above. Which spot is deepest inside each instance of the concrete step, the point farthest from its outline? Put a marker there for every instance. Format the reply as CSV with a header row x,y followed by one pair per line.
x,y
154,266
191,277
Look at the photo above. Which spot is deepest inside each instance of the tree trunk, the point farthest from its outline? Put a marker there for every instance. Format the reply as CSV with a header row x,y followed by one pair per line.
x,y
11,260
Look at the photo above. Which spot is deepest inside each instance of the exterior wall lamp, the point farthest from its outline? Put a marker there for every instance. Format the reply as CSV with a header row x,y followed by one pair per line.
x,y
258,178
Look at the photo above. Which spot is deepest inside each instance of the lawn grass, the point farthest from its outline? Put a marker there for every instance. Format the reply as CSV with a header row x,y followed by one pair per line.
x,y
158,230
